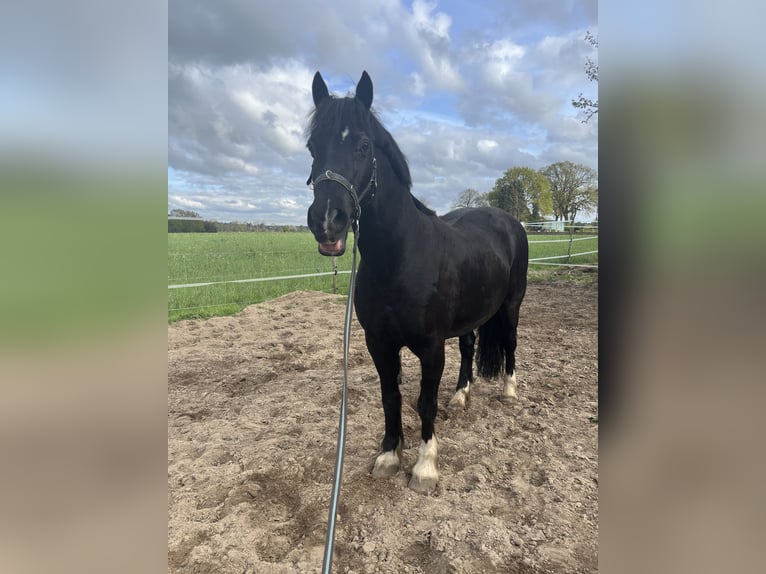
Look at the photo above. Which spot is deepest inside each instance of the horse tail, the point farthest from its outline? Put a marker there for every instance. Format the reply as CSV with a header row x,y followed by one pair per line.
x,y
497,337
520,263
493,338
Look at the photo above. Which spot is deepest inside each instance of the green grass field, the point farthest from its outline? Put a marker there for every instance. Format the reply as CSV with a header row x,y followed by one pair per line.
x,y
219,257
553,245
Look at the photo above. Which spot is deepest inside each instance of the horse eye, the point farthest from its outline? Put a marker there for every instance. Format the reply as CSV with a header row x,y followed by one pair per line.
x,y
364,146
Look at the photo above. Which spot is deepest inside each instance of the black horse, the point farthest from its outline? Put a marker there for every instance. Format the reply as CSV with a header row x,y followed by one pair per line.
x,y
422,278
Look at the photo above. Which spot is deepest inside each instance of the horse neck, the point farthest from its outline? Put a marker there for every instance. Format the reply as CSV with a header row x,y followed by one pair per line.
x,y
390,222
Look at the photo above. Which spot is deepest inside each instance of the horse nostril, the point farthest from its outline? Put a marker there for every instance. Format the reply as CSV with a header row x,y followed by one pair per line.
x,y
336,218
315,219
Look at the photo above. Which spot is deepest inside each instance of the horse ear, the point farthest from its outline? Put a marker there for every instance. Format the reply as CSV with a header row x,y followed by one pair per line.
x,y
319,89
364,90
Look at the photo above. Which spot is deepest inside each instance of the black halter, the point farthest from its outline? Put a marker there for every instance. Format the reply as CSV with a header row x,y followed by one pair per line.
x,y
372,186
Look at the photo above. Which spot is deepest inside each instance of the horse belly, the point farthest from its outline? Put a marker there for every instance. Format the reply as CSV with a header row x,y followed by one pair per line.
x,y
469,320
476,303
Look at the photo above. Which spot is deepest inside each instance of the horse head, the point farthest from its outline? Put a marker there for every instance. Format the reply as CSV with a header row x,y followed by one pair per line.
x,y
343,172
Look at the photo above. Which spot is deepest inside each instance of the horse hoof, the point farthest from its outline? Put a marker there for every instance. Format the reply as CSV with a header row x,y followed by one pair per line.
x,y
386,465
510,386
509,395
423,485
425,473
460,399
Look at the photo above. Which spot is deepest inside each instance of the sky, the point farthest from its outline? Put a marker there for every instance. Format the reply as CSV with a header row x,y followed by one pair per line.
x,y
468,90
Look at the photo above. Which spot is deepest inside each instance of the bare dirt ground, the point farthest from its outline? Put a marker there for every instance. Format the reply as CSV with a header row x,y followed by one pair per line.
x,y
253,404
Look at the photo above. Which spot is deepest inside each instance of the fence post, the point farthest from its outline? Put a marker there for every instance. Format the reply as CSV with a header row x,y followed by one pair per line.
x,y
571,238
334,275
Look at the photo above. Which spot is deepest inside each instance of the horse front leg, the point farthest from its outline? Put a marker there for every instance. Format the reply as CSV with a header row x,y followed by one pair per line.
x,y
465,378
425,473
388,364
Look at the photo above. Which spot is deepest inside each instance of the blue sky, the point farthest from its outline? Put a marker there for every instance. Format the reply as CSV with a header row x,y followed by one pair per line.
x,y
468,90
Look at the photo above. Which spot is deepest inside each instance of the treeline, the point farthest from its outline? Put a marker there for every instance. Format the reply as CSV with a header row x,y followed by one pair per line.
x,y
192,222
202,226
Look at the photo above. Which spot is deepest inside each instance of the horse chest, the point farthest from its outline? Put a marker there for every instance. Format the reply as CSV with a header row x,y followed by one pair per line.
x,y
392,313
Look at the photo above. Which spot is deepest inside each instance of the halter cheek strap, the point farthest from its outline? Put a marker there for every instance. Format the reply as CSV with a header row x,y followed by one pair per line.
x,y
372,186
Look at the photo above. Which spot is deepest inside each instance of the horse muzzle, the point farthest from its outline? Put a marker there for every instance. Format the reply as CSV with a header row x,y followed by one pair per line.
x,y
333,249
330,228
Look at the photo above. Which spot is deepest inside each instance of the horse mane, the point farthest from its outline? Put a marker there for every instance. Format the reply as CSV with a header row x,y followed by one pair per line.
x,y
334,113
422,206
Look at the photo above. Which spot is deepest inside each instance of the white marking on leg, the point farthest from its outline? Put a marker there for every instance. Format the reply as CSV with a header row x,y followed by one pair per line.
x,y
510,387
425,473
344,134
388,463
461,396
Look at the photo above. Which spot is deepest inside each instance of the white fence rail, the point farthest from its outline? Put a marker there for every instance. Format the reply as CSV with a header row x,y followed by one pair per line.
x,y
535,261
257,279
565,256
563,240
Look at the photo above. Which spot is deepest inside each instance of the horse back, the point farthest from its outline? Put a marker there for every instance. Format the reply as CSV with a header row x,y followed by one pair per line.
x,y
488,228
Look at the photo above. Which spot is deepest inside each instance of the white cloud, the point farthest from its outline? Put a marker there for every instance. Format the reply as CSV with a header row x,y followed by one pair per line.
x,y
226,164
237,118
427,33
447,158
186,202
418,85
437,24
501,60
485,146
289,203
464,104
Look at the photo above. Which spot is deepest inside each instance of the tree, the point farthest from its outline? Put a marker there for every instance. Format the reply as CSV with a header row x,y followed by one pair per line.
x,y
590,107
574,188
185,221
522,192
182,213
470,198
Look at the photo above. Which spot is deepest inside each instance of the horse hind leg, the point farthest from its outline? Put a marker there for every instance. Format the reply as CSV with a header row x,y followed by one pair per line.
x,y
497,347
465,378
510,383
512,305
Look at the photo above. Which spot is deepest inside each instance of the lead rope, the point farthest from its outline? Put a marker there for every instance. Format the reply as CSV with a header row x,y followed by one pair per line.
x,y
330,539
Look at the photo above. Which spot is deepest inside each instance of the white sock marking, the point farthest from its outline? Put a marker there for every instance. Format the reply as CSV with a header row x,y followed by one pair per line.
x,y
509,389
387,463
426,467
461,396
387,459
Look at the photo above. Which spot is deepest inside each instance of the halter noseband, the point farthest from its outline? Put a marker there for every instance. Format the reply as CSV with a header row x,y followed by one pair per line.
x,y
357,199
